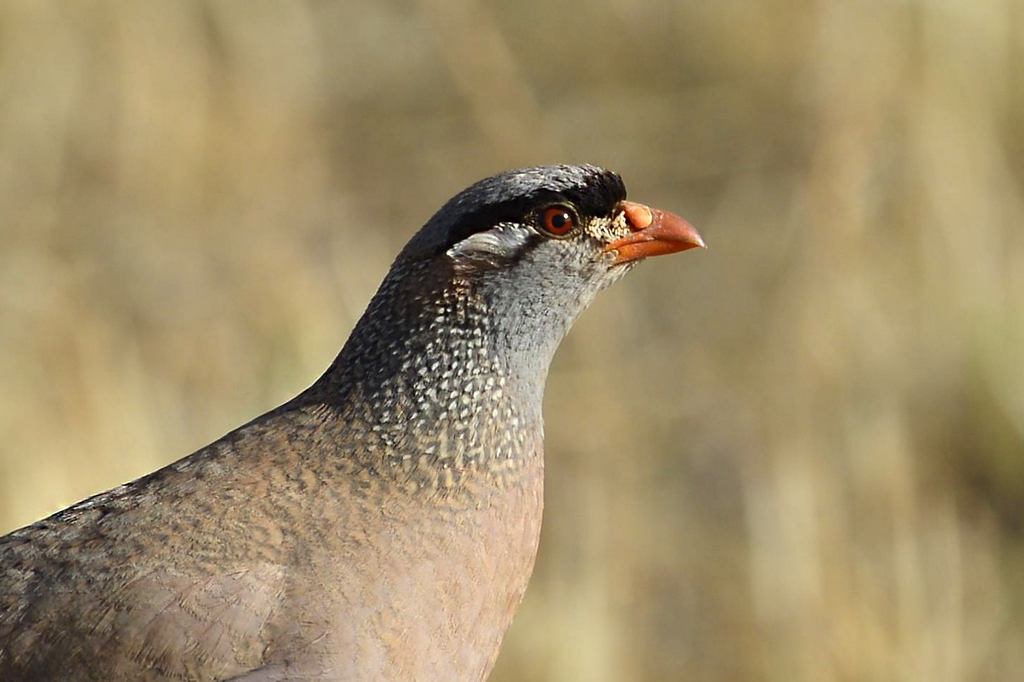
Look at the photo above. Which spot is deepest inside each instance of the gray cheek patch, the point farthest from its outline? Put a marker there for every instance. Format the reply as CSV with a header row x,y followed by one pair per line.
x,y
500,244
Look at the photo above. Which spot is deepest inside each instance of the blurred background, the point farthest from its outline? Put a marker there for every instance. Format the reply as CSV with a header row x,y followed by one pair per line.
x,y
797,456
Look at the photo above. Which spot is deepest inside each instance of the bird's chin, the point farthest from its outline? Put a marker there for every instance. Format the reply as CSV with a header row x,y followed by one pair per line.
x,y
616,271
610,261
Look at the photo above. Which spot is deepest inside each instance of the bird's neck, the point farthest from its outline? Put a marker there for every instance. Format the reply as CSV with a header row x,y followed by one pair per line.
x,y
430,369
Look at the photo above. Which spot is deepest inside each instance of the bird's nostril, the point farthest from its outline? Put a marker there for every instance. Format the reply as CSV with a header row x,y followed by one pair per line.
x,y
638,216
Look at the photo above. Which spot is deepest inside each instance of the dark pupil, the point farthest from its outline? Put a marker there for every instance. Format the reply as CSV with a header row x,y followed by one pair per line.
x,y
559,220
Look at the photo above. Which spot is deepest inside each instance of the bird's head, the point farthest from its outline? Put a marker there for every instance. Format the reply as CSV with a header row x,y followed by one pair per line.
x,y
499,274
539,243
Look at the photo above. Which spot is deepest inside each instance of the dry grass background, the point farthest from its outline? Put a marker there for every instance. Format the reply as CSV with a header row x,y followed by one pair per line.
x,y
798,456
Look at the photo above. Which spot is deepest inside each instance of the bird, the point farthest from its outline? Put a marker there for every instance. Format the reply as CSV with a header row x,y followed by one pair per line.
x,y
381,525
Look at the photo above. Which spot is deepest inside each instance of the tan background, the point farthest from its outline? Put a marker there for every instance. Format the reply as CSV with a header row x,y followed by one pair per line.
x,y
798,456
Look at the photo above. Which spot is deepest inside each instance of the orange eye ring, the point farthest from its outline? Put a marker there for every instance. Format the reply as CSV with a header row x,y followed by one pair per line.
x,y
558,220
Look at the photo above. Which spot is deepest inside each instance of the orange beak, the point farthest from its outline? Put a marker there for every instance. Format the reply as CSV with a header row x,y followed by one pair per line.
x,y
654,233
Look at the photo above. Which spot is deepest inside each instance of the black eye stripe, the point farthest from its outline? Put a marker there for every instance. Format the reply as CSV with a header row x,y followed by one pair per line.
x,y
518,197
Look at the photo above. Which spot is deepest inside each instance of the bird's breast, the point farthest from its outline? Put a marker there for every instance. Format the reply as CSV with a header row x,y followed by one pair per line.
x,y
421,583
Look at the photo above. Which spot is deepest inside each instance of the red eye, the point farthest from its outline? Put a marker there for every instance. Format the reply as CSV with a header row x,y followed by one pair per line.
x,y
558,220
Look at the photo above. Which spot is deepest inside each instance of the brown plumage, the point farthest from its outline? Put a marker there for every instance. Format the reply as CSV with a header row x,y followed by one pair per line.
x,y
383,524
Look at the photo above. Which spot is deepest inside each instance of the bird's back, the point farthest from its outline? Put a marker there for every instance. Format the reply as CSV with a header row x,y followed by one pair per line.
x,y
254,559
